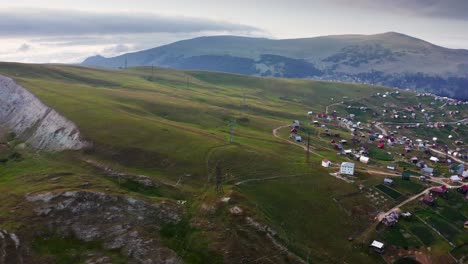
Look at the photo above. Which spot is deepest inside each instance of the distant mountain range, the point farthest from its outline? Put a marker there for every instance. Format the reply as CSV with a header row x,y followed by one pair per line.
x,y
390,59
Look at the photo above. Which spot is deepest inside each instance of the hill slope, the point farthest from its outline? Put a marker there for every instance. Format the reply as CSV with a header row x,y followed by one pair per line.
x,y
390,59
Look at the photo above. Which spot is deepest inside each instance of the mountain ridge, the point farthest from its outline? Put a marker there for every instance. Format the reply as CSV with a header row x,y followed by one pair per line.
x,y
391,59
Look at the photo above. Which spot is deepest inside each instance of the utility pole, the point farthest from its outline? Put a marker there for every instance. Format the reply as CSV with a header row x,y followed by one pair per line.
x,y
152,72
125,66
308,146
232,124
219,181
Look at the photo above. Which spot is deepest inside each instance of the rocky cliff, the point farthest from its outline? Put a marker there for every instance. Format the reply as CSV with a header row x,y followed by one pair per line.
x,y
37,124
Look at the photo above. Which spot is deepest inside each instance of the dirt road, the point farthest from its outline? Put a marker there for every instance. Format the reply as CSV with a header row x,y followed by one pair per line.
x,y
275,134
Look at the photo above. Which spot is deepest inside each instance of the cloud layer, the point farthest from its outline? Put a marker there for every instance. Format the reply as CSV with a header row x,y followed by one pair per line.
x,y
45,22
447,9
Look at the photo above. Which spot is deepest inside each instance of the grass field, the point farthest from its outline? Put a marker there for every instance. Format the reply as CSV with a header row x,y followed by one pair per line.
x,y
388,191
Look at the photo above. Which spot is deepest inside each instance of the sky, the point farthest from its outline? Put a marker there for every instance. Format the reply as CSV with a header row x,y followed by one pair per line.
x,y
68,31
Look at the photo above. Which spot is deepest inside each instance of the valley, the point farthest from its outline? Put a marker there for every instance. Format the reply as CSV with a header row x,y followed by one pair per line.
x,y
192,166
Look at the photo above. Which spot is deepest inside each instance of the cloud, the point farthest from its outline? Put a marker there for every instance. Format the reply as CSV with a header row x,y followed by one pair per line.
x,y
447,9
24,47
48,22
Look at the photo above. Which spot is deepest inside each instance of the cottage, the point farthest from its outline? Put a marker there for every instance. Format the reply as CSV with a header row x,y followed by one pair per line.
x,y
310,113
326,163
434,159
392,166
298,138
429,200
377,246
427,171
364,159
406,175
388,181
455,179
414,160
381,145
463,189
347,168
390,219
439,190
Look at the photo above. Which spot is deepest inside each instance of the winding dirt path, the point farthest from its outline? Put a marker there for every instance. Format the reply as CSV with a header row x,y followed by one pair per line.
x,y
275,134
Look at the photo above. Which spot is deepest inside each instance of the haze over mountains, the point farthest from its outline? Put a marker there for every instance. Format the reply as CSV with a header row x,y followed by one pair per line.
x,y
390,59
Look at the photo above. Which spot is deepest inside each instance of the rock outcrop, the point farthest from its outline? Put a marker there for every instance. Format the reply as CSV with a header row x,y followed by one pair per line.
x,y
126,224
31,120
9,248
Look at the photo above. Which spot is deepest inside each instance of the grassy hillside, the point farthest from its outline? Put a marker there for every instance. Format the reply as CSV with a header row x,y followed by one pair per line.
x,y
175,127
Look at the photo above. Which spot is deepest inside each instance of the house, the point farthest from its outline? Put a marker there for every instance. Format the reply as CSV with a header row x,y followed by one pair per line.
x,y
381,145
298,138
439,190
364,159
406,175
429,200
388,181
391,219
465,175
466,225
310,113
392,166
414,160
406,214
296,123
326,163
463,189
347,168
434,159
377,246
427,171
455,179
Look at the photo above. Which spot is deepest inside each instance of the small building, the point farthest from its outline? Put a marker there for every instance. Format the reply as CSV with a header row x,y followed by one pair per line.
x,y
388,181
377,246
463,189
326,163
466,225
455,179
392,166
298,138
310,113
427,171
429,200
439,190
364,159
406,175
434,159
381,145
414,160
347,168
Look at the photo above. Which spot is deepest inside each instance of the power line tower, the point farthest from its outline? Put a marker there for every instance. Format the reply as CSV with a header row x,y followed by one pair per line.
x,y
232,124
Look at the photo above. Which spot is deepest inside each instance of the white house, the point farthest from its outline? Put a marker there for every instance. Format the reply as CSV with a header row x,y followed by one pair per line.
x,y
298,138
391,166
347,168
465,174
326,163
455,179
388,181
364,159
434,159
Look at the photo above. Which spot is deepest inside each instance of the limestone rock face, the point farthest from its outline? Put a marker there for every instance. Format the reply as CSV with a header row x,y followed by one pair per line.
x,y
34,122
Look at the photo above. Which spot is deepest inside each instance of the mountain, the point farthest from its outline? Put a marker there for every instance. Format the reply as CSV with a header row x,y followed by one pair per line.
x,y
390,59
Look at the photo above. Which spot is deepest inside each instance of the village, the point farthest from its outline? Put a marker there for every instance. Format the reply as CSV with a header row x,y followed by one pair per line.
x,y
415,175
